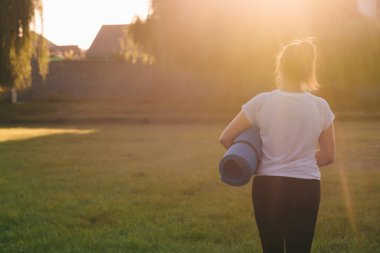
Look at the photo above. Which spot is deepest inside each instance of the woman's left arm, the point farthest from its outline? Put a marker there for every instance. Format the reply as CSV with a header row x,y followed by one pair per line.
x,y
237,125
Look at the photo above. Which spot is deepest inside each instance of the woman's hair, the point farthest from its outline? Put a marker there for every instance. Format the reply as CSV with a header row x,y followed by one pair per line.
x,y
296,62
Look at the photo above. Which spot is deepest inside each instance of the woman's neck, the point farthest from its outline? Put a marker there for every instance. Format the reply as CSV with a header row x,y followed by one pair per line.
x,y
291,87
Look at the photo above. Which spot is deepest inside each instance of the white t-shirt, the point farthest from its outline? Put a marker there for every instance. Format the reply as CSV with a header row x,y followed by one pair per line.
x,y
290,124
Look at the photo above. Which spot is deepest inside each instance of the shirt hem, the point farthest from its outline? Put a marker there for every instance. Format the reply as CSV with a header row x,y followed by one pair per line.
x,y
292,176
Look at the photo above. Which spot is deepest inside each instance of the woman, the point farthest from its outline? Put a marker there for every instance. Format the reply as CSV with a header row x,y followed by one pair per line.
x,y
292,122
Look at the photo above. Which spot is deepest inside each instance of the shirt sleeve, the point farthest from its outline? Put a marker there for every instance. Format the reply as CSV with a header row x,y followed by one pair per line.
x,y
328,115
250,109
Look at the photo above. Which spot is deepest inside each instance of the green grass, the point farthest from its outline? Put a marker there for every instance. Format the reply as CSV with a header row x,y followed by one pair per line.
x,y
156,188
90,112
142,112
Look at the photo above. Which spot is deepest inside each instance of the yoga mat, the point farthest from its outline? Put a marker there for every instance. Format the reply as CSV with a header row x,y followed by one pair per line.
x,y
241,160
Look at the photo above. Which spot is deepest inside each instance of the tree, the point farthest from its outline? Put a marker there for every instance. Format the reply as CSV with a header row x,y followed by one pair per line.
x,y
19,45
238,39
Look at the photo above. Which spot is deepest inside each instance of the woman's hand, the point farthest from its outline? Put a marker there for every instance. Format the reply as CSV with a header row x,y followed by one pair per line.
x,y
237,125
326,153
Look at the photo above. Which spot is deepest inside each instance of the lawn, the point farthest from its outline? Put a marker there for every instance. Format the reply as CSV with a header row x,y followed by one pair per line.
x,y
155,188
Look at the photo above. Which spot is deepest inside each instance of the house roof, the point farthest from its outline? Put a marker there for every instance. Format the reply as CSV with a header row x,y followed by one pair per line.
x,y
54,47
107,42
49,44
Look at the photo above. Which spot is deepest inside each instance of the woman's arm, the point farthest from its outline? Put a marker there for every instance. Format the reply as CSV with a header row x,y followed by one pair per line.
x,y
326,153
237,125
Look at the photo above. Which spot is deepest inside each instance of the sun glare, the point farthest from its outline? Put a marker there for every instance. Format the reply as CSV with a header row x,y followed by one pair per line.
x,y
18,133
74,22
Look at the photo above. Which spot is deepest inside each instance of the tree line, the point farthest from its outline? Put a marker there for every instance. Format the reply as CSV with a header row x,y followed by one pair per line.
x,y
234,39
239,38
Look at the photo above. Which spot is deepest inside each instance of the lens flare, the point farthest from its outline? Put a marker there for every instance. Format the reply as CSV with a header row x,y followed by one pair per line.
x,y
348,200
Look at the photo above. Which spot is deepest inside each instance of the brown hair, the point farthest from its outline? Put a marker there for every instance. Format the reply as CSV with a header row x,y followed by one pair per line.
x,y
296,62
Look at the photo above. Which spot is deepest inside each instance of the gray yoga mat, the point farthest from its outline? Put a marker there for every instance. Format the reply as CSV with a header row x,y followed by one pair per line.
x,y
241,160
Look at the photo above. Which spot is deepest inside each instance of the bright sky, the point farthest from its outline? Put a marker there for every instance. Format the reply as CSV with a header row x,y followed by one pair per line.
x,y
76,22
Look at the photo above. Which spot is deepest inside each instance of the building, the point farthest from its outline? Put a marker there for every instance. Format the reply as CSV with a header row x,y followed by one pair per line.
x,y
61,52
113,42
108,43
65,52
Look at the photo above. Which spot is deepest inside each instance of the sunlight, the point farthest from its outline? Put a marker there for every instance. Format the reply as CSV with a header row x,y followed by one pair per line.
x,y
74,22
348,200
18,133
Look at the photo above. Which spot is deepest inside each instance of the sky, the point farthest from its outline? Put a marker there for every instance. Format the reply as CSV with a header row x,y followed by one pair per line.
x,y
76,22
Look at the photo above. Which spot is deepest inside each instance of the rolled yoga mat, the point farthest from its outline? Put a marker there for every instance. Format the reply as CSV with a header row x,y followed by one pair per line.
x,y
242,158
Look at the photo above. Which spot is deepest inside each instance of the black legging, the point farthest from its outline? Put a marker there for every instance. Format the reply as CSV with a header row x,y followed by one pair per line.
x,y
286,212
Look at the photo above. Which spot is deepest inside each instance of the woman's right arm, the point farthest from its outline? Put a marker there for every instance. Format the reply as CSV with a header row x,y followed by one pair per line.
x,y
326,153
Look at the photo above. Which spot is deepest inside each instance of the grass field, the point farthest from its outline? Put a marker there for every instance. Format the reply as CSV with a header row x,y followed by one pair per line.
x,y
156,188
